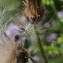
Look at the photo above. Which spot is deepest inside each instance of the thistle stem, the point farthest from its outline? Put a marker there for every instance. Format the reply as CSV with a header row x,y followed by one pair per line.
x,y
32,60
40,46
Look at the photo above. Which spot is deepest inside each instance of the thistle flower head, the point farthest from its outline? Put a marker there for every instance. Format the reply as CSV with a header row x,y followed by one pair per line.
x,y
33,9
29,9
12,30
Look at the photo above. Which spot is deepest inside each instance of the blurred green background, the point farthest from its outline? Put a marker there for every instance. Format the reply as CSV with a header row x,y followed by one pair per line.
x,y
52,33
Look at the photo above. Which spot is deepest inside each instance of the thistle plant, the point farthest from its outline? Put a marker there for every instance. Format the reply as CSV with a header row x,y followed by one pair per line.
x,y
19,27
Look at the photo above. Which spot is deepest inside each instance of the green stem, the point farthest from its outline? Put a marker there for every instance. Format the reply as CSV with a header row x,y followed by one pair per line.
x,y
32,60
40,46
55,11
